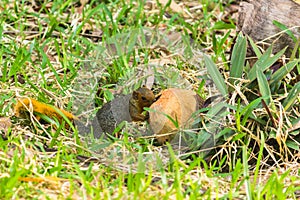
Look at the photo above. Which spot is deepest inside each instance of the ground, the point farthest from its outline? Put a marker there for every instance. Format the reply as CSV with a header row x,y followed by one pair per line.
x,y
77,55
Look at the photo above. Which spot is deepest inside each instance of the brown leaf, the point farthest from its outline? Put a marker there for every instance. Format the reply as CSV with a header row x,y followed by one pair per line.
x,y
150,77
297,1
5,124
179,104
174,6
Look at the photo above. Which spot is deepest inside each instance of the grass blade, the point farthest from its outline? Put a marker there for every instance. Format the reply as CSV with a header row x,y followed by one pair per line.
x,y
255,48
215,75
292,96
259,63
238,58
285,29
259,159
247,111
263,86
282,72
246,173
264,62
295,50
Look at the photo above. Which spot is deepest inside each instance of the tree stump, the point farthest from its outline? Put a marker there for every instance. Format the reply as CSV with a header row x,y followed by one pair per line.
x,y
256,20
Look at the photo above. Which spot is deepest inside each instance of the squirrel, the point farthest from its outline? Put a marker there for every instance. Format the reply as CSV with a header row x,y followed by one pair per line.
x,y
123,108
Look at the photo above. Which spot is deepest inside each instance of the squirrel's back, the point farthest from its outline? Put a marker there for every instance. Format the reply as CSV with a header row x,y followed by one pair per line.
x,y
113,113
124,108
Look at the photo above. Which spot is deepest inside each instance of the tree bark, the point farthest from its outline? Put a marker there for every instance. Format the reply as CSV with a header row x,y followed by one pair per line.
x,y
256,20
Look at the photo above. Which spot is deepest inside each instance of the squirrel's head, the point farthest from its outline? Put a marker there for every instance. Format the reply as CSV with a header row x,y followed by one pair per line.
x,y
144,96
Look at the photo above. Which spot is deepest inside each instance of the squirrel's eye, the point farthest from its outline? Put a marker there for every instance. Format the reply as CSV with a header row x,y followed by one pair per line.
x,y
144,98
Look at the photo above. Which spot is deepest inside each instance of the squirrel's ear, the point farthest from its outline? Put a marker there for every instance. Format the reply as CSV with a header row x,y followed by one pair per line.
x,y
135,95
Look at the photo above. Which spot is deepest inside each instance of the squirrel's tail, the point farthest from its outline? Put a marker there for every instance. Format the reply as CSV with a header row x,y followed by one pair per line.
x,y
31,105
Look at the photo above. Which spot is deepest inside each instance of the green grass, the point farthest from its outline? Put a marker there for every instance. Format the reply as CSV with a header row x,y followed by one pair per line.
x,y
60,53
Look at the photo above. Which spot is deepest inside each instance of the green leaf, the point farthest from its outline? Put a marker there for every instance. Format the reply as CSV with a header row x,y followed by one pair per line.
x,y
215,75
22,56
264,62
295,50
247,110
285,29
218,43
223,132
246,172
292,144
131,42
255,48
220,25
260,154
238,58
282,72
218,111
263,85
259,63
292,96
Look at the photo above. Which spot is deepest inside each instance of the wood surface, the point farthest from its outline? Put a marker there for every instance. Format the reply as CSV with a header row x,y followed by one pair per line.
x,y
256,20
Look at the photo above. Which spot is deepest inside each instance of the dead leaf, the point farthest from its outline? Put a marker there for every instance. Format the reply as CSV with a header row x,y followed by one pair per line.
x,y
297,1
150,78
5,124
82,2
178,104
174,6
